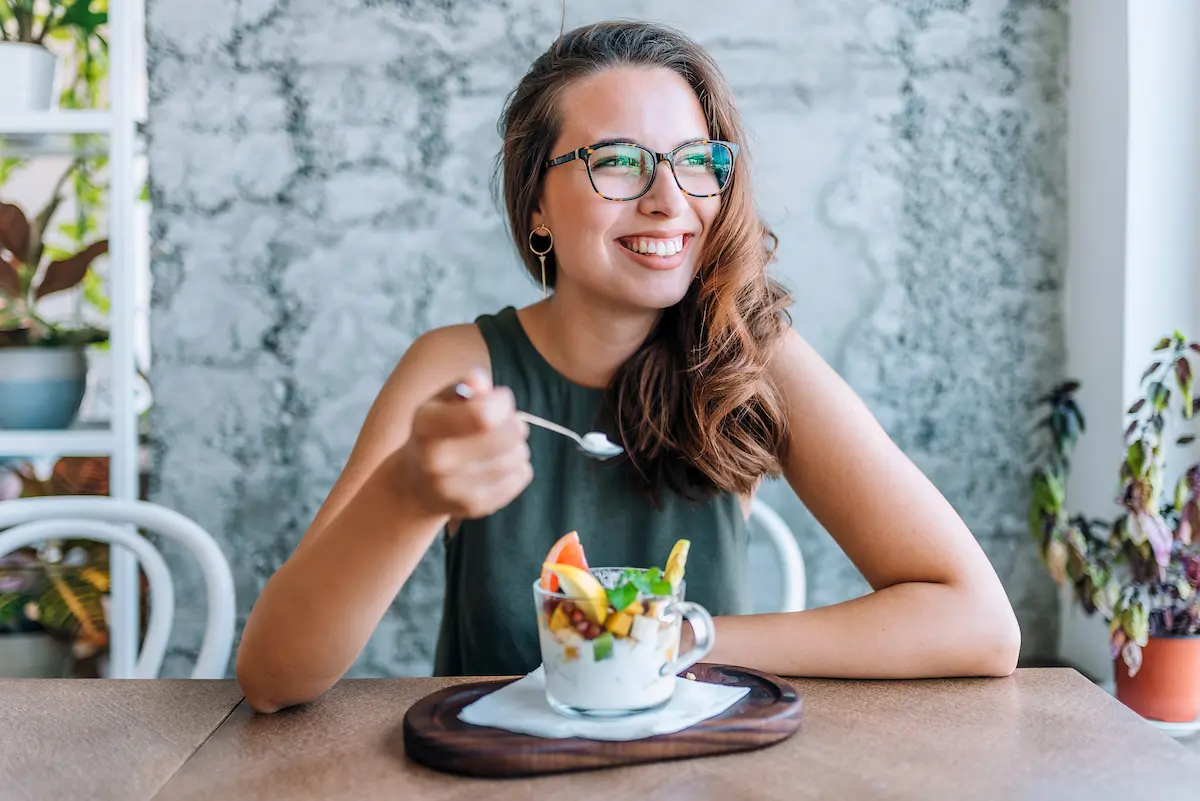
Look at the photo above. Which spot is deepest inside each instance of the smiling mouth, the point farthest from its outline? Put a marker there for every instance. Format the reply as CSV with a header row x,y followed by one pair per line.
x,y
650,246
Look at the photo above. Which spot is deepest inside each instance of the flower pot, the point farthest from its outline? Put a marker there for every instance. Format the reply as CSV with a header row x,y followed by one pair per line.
x,y
30,73
34,656
41,387
1167,687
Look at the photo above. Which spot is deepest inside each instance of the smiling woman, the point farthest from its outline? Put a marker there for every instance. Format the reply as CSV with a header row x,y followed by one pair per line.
x,y
625,175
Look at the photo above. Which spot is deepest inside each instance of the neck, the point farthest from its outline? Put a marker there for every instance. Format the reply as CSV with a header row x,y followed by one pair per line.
x,y
586,341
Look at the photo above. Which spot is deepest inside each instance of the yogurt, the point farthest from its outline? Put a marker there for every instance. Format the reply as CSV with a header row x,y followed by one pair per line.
x,y
626,678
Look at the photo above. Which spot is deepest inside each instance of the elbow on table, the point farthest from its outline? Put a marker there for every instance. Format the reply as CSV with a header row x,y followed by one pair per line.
x,y
1001,646
263,689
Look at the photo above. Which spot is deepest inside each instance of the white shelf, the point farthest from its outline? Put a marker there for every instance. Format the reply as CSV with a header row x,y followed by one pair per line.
x,y
49,444
57,122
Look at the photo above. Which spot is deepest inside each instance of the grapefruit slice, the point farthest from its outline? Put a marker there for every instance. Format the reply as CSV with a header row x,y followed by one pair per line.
x,y
567,551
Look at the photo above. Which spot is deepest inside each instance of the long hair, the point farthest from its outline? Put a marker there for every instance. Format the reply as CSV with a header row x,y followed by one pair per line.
x,y
694,405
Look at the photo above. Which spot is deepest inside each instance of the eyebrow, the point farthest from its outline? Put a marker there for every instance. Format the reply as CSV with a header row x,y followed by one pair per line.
x,y
621,140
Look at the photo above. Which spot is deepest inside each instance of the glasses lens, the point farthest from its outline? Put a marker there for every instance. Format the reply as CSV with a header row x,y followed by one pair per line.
x,y
704,169
621,171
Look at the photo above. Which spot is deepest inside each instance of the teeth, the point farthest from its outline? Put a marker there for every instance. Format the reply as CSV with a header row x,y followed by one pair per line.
x,y
655,247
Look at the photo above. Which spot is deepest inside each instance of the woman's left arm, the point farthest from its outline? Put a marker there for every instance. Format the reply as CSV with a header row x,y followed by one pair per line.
x,y
938,608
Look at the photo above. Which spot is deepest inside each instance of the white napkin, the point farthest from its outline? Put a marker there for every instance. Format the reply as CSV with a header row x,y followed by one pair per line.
x,y
522,707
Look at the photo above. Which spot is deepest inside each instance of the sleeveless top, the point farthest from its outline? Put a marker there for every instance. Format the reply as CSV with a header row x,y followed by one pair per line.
x,y
489,616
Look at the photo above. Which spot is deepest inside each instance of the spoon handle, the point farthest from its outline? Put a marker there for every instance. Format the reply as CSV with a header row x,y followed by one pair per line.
x,y
533,419
464,391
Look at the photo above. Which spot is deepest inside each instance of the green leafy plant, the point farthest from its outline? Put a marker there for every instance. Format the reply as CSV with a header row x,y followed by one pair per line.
x,y
34,22
77,29
1140,570
29,271
60,588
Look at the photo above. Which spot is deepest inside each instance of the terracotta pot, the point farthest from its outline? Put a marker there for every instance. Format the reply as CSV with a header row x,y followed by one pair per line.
x,y
1167,687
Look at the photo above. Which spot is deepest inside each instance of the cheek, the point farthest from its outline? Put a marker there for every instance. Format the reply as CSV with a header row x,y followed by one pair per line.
x,y
706,209
581,224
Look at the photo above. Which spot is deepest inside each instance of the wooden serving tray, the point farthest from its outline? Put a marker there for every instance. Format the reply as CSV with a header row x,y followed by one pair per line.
x,y
435,737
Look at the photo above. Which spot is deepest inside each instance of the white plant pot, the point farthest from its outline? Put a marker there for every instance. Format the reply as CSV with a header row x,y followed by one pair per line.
x,y
30,78
41,388
34,656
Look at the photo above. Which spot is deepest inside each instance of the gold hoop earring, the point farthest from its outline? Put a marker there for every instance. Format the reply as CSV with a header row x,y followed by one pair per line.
x,y
541,254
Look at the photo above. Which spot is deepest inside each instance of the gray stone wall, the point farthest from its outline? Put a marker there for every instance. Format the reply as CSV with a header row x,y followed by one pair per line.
x,y
320,173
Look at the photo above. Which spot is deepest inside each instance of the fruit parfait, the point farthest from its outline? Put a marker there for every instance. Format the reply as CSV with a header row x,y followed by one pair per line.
x,y
610,635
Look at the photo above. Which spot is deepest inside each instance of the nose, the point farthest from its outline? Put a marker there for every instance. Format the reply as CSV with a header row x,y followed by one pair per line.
x,y
664,198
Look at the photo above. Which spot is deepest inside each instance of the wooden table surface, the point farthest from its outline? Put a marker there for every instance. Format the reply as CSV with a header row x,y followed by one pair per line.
x,y
1042,733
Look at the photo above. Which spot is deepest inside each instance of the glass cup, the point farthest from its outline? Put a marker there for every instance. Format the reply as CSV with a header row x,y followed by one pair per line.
x,y
625,667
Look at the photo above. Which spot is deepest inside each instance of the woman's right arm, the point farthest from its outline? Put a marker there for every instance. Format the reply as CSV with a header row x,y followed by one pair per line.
x,y
423,457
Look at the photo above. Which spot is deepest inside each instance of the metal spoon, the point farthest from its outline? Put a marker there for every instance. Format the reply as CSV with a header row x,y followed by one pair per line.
x,y
594,443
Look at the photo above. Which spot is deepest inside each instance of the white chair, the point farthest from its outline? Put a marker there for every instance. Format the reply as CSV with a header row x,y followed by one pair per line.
x,y
791,561
27,521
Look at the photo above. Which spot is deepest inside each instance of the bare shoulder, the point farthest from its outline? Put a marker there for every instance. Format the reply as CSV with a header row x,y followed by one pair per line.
x,y
825,415
452,349
799,371
434,361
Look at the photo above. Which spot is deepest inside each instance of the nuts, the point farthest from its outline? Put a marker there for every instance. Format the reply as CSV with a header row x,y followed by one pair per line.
x,y
690,676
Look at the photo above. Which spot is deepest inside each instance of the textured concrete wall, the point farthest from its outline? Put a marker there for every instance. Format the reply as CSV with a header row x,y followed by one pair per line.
x,y
320,175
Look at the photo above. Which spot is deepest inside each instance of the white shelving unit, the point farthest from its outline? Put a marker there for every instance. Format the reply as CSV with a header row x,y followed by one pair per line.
x,y
128,252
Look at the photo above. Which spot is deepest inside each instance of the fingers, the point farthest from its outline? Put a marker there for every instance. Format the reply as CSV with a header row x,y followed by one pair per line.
x,y
469,448
474,454
476,382
453,416
506,479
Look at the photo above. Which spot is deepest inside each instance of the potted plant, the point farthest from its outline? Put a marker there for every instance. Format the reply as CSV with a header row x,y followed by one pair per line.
x,y
28,67
54,598
1140,570
43,368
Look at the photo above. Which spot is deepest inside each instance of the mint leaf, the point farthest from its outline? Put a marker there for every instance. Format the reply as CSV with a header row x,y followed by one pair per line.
x,y
639,580
660,587
622,596
602,646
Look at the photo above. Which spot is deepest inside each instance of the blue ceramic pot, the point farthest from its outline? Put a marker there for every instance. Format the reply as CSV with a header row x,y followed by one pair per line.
x,y
41,387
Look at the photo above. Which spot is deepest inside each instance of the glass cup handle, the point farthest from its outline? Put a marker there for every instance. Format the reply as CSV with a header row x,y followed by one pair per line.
x,y
705,636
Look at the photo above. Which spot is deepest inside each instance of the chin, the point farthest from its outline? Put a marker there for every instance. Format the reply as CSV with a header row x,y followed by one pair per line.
x,y
657,292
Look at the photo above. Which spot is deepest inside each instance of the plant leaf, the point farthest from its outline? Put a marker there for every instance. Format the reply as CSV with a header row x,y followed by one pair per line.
x,y
1187,439
1163,343
1150,370
10,279
67,273
622,596
14,231
1137,407
1161,395
1183,372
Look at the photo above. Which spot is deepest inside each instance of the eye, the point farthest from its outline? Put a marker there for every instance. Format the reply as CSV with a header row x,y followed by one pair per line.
x,y
618,161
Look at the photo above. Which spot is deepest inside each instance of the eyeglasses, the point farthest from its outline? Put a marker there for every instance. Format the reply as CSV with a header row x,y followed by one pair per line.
x,y
625,170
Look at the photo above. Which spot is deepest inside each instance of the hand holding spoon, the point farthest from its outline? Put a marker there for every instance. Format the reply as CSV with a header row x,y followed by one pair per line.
x,y
594,443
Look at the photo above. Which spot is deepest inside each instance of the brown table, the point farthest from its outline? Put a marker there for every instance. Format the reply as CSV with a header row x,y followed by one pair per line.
x,y
1045,733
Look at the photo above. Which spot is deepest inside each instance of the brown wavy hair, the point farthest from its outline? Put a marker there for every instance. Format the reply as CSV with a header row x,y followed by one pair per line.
x,y
694,406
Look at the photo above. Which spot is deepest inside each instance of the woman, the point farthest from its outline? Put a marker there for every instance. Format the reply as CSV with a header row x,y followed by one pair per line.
x,y
625,175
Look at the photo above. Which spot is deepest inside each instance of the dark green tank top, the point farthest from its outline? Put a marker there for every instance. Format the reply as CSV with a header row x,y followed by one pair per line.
x,y
489,623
